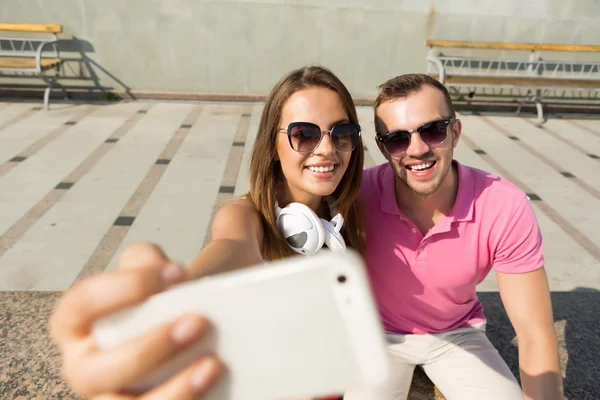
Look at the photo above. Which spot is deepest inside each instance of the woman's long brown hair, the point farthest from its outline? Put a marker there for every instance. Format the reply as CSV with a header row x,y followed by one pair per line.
x,y
266,176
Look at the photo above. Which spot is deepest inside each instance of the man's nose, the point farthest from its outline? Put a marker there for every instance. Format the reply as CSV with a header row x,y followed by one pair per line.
x,y
417,146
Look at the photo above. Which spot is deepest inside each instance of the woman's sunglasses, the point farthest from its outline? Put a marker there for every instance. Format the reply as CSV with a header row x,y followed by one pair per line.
x,y
304,137
433,133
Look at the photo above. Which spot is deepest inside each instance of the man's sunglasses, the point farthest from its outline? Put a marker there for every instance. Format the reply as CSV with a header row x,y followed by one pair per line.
x,y
433,133
304,137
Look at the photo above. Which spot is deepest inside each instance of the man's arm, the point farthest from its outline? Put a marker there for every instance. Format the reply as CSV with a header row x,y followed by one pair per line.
x,y
519,265
526,298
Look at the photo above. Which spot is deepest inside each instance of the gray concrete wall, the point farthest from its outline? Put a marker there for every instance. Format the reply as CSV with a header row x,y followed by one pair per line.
x,y
244,46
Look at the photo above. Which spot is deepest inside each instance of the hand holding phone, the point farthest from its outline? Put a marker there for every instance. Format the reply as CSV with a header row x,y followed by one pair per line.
x,y
298,327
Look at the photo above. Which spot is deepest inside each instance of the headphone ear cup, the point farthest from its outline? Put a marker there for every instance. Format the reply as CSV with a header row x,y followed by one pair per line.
x,y
333,238
301,228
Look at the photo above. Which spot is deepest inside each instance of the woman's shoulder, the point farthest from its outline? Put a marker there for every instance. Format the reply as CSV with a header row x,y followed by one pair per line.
x,y
238,212
243,203
239,220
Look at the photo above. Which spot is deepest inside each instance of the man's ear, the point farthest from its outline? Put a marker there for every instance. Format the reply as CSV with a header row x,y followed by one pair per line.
x,y
382,149
456,131
380,146
380,127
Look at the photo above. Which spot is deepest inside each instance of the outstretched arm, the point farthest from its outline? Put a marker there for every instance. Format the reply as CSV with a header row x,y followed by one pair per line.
x,y
237,237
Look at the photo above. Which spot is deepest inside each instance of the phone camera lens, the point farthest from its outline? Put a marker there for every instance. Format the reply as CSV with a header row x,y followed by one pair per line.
x,y
341,278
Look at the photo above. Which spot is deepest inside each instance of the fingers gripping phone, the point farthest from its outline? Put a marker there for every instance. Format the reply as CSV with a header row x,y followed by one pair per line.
x,y
298,327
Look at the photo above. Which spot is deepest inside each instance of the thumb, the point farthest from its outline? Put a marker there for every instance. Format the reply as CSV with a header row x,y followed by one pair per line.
x,y
151,256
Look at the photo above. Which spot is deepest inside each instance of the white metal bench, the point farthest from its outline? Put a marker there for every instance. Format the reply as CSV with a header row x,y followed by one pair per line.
x,y
530,78
26,54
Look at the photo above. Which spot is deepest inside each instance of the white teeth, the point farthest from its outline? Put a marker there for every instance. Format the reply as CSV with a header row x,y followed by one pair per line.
x,y
420,167
322,169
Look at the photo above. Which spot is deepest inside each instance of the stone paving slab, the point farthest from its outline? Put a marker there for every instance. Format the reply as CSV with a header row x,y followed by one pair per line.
x,y
81,181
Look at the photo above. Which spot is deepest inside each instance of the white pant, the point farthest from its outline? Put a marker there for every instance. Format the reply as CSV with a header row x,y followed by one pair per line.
x,y
462,363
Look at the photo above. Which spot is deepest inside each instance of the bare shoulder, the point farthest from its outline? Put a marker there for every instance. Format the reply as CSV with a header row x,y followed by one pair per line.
x,y
240,206
237,218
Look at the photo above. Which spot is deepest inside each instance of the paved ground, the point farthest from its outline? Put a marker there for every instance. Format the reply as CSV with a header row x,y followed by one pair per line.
x,y
81,181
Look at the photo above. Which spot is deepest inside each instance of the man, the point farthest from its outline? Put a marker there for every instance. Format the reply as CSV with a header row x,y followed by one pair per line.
x,y
435,229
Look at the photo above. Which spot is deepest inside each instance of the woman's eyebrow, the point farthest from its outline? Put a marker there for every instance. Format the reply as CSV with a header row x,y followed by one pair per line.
x,y
341,121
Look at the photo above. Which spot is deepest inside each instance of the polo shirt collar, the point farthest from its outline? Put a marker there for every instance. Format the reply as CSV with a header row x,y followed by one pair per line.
x,y
463,205
388,202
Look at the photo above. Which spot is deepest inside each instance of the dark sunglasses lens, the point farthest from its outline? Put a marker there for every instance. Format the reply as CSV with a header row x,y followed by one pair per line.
x,y
434,133
304,137
345,137
397,144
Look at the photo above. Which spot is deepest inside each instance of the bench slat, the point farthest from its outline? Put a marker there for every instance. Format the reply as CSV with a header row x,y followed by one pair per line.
x,y
17,27
20,62
514,46
521,81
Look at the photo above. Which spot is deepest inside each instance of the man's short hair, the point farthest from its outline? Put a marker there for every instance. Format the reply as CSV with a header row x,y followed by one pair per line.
x,y
404,85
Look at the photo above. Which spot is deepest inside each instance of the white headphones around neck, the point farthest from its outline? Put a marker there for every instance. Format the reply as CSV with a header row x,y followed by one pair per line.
x,y
305,232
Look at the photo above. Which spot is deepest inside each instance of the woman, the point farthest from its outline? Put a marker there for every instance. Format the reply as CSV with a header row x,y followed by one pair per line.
x,y
308,154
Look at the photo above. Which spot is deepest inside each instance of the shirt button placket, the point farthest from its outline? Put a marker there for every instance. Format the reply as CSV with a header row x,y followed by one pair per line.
x,y
419,257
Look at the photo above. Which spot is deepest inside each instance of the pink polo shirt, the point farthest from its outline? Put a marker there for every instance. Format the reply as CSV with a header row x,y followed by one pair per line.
x,y
427,284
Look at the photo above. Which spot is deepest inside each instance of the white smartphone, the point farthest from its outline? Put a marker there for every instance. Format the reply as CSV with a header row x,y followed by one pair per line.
x,y
299,327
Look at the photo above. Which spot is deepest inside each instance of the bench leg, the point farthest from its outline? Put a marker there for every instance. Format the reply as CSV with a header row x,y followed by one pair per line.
x,y
521,104
540,112
47,94
65,93
520,107
538,107
52,82
47,97
528,97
